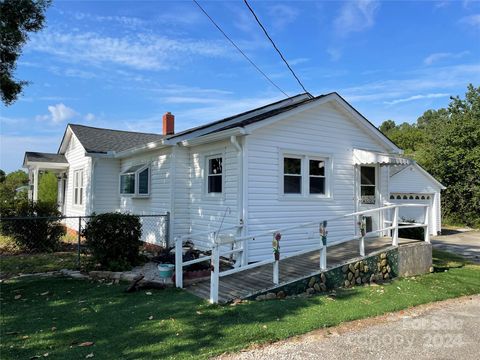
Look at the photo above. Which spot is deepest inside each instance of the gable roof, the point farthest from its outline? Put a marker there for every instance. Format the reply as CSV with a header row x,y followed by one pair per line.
x,y
283,106
32,156
422,171
251,116
101,141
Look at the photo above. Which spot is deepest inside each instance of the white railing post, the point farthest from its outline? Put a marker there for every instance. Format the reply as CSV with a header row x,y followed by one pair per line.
x,y
178,263
214,273
276,255
323,245
395,227
363,231
426,222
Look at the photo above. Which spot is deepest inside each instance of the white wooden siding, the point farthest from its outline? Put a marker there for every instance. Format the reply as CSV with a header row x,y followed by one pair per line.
x,y
322,130
75,155
105,184
159,200
206,211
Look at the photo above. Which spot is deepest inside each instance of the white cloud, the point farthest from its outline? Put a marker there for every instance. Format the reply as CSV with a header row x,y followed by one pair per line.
x,y
334,53
143,51
13,147
355,16
445,79
417,97
472,20
430,59
89,117
58,113
282,15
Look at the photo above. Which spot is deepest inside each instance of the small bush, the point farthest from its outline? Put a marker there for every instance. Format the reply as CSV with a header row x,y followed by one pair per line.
x,y
411,233
40,231
114,240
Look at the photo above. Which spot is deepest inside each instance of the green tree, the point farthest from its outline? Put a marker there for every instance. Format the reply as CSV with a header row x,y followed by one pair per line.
x,y
47,187
387,126
8,188
2,176
451,152
17,19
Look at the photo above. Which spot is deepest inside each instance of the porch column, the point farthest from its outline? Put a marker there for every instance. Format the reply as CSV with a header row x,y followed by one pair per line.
x,y
35,183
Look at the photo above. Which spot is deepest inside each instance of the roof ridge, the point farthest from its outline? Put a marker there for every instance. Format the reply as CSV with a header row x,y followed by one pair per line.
x,y
203,126
107,129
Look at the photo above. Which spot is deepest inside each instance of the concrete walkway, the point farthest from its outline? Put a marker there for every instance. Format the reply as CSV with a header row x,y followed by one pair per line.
x,y
444,330
465,243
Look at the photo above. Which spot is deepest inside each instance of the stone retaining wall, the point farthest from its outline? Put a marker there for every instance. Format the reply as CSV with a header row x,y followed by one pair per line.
x,y
377,268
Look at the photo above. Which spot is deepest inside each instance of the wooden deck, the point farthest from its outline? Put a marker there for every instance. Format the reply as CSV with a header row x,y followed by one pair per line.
x,y
256,280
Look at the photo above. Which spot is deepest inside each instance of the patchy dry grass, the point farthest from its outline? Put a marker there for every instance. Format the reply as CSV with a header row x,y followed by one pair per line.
x,y
55,315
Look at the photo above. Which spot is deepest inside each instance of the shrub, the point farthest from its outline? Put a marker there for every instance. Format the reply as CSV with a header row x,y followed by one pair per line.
x,y
114,240
41,229
411,233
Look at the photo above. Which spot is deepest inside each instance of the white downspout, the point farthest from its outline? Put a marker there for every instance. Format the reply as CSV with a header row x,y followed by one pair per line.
x,y
91,207
240,194
35,183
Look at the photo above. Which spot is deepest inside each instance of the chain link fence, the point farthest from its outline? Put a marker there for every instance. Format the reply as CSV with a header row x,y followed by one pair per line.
x,y
40,244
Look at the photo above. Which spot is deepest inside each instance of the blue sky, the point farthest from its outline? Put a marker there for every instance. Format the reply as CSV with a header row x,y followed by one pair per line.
x,y
121,64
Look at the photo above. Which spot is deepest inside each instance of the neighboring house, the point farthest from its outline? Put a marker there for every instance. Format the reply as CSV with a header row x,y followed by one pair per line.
x,y
413,184
292,161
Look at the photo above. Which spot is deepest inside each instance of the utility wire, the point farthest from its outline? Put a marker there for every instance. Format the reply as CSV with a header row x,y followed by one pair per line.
x,y
275,46
240,50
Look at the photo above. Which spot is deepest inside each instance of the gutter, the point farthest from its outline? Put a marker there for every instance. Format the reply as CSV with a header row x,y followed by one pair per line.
x,y
216,136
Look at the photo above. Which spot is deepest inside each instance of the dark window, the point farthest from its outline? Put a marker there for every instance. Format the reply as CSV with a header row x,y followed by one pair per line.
x,y
215,175
143,178
127,184
367,185
317,176
292,176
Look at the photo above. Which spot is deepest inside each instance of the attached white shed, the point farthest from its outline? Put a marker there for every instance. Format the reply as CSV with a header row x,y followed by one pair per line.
x,y
412,184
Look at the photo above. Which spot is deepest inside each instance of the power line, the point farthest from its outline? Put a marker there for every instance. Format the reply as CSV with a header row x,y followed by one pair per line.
x,y
273,43
240,50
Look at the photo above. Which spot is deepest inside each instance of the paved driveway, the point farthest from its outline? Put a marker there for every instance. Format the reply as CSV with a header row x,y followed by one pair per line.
x,y
465,243
444,330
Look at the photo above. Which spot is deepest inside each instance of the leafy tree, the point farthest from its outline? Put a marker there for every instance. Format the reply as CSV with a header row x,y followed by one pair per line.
x,y
17,19
2,176
387,126
451,153
446,142
8,188
47,187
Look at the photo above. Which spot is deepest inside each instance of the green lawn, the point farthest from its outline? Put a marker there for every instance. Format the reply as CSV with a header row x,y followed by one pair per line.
x,y
174,324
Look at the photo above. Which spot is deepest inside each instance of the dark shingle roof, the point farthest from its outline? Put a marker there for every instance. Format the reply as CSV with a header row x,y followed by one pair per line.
x,y
97,140
254,115
45,157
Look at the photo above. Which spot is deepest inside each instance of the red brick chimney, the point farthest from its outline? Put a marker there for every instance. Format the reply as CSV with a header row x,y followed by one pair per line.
x,y
168,124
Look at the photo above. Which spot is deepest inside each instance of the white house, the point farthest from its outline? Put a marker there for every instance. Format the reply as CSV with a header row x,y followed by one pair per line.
x,y
295,160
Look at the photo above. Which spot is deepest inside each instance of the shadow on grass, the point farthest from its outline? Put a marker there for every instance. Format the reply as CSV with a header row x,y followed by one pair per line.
x,y
54,315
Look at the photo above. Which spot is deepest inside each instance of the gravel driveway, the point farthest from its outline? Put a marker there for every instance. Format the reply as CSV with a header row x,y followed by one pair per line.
x,y
443,330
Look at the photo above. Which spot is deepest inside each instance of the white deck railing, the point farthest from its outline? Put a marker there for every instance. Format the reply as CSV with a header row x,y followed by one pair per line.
x,y
238,244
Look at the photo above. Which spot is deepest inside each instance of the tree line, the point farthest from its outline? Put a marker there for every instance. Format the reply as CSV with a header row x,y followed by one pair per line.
x,y
446,142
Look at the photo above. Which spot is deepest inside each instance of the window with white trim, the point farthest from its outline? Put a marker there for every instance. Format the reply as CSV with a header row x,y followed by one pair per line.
x,y
292,175
78,187
305,175
214,174
135,181
317,176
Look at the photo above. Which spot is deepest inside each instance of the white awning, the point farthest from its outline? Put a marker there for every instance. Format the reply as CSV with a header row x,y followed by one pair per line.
x,y
365,157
